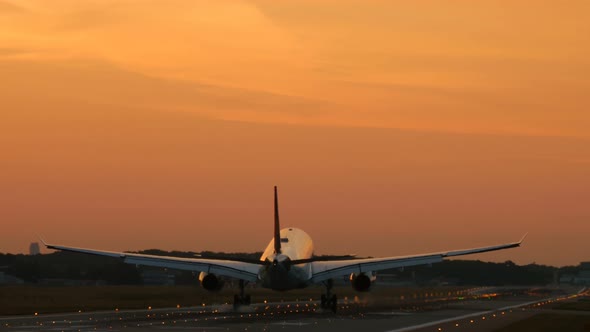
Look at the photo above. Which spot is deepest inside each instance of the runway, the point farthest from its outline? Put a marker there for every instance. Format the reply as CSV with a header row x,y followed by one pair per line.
x,y
480,312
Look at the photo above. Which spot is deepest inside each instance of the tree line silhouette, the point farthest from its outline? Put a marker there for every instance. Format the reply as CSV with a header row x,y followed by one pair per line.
x,y
112,271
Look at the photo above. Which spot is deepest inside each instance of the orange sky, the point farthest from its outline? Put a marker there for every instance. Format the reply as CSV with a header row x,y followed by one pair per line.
x,y
390,127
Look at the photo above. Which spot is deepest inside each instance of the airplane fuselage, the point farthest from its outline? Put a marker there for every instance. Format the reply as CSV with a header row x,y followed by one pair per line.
x,y
287,263
280,274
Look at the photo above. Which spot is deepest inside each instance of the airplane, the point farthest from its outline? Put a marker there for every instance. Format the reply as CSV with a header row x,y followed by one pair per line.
x,y
286,263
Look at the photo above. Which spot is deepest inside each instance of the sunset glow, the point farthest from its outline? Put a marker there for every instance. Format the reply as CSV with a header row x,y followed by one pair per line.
x,y
390,127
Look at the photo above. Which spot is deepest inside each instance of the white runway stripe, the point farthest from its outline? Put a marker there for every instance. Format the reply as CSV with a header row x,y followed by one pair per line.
x,y
452,319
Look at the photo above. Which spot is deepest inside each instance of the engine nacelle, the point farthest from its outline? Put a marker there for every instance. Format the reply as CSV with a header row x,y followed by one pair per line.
x,y
210,282
362,282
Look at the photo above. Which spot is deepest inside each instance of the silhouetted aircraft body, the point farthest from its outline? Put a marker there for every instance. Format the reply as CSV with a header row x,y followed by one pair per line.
x,y
287,263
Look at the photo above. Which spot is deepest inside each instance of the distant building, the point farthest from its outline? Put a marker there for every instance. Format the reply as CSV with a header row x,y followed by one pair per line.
x,y
6,279
583,278
34,249
567,279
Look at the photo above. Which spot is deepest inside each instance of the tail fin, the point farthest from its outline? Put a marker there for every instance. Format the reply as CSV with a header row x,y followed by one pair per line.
x,y
277,226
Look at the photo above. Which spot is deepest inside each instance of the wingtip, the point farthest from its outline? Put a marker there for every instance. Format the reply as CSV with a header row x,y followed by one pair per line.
x,y
42,240
523,237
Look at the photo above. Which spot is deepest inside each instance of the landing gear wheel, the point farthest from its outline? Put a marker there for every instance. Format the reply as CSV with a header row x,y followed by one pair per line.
x,y
241,299
334,303
329,300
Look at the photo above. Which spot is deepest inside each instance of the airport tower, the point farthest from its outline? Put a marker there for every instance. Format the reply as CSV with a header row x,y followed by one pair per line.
x,y
34,249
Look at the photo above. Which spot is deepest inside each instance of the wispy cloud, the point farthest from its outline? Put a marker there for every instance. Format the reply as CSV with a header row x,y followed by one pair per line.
x,y
8,7
454,67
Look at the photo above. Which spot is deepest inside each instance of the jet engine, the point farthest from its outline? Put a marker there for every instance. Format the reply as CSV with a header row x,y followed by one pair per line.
x,y
362,282
210,282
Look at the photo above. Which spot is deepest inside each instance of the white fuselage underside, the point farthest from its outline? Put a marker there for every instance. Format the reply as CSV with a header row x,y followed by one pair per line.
x,y
280,274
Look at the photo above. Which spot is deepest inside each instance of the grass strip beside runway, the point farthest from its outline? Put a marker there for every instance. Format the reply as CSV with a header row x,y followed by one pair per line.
x,y
28,300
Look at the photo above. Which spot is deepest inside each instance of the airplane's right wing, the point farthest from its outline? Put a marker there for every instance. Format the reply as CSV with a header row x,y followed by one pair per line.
x,y
230,268
324,270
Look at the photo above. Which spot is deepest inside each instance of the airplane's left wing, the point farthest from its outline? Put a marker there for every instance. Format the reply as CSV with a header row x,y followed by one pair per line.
x,y
324,270
230,268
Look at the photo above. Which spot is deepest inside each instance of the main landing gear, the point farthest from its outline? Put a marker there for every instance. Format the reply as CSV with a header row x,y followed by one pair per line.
x,y
241,299
329,300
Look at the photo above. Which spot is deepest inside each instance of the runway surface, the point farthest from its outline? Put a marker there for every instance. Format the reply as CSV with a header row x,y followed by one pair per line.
x,y
483,310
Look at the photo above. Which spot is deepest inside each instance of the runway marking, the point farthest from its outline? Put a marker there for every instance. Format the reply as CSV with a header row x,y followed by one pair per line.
x,y
452,319
30,327
391,313
182,310
285,323
192,328
91,328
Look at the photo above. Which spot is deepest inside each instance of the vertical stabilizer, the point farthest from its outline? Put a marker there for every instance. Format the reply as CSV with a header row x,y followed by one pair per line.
x,y
277,226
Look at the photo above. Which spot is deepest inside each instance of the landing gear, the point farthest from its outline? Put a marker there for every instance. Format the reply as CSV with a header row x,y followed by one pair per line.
x,y
241,299
329,300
